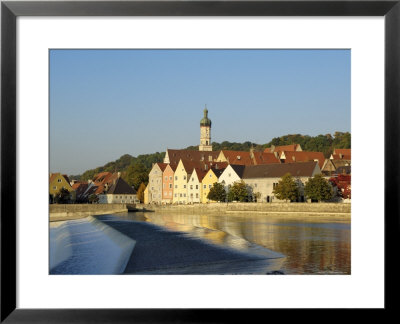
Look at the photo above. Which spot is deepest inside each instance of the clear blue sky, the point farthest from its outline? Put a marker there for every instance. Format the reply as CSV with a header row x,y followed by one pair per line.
x,y
106,103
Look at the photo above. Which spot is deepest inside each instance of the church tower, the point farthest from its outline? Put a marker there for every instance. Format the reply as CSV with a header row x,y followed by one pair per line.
x,y
205,133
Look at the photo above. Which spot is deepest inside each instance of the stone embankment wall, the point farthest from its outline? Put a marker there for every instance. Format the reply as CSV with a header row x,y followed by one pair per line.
x,y
320,208
75,211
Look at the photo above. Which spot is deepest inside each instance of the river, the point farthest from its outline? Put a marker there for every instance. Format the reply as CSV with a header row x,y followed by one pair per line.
x,y
311,245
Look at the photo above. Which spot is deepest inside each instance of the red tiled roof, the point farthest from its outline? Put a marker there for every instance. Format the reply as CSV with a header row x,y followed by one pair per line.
x,y
341,154
162,165
301,169
190,165
304,156
342,151
105,178
248,158
53,176
175,155
200,173
238,157
265,158
341,157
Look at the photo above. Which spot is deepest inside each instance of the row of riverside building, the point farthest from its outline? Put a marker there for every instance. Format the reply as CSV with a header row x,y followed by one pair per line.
x,y
186,176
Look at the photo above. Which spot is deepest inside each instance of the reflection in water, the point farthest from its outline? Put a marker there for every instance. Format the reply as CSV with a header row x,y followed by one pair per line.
x,y
310,246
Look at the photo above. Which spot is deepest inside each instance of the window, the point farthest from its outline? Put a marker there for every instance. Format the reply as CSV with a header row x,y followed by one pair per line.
x,y
209,186
210,175
184,177
184,186
197,195
170,186
58,180
176,186
55,187
184,195
192,179
170,194
180,195
204,186
166,178
229,174
191,187
175,195
176,178
197,186
170,178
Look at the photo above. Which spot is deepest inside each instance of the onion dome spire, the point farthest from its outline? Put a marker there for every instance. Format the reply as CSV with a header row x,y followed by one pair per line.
x,y
205,120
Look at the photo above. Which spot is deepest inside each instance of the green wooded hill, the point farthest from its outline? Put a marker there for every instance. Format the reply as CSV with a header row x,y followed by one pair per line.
x,y
135,169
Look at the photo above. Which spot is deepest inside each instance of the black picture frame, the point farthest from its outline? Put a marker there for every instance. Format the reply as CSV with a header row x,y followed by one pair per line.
x,y
10,10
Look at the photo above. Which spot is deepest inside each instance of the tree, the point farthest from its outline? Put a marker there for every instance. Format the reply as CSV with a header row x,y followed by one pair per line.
x,y
217,192
93,198
318,188
62,196
140,192
343,184
136,174
238,192
287,188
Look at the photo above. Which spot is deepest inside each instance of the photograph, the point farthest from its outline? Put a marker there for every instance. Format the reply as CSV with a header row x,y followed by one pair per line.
x,y
199,161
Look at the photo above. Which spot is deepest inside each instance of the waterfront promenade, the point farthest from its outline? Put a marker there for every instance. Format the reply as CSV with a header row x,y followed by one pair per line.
x,y
61,212
330,210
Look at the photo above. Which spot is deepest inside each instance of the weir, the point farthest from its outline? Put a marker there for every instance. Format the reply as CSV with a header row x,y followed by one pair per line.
x,y
88,246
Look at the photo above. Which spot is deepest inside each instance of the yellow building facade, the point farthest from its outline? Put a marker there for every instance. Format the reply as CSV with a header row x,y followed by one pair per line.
x,y
57,182
209,179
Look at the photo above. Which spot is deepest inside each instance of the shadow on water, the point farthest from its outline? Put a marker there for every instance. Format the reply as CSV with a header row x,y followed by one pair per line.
x,y
161,250
310,246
